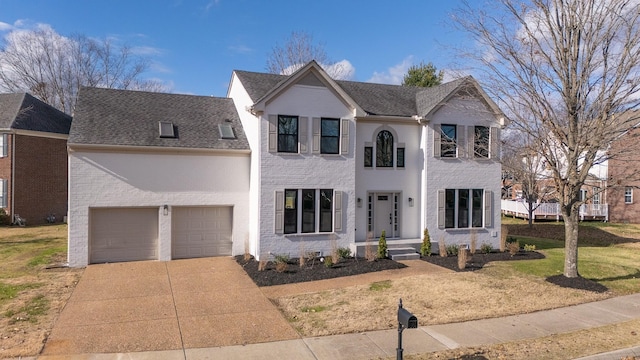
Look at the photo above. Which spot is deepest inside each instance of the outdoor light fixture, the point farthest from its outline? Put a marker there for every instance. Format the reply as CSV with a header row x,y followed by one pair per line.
x,y
411,202
359,201
165,209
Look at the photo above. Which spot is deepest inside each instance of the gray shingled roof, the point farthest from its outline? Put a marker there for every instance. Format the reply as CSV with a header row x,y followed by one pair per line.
x,y
375,99
124,117
21,111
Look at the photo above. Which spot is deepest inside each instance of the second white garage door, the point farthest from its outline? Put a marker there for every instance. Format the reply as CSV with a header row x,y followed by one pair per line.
x,y
201,231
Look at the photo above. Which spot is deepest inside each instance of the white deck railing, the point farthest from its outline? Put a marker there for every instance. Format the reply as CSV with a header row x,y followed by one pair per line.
x,y
552,210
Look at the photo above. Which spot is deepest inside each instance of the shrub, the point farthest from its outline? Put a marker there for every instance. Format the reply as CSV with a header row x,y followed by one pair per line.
x,y
4,217
262,264
511,239
452,250
425,248
334,250
486,248
382,245
328,261
281,262
442,247
528,247
344,253
513,247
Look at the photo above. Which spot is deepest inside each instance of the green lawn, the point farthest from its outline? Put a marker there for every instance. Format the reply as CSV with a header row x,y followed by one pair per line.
x,y
617,267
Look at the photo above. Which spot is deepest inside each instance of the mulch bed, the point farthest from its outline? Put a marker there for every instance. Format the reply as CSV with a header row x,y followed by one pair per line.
x,y
312,270
478,260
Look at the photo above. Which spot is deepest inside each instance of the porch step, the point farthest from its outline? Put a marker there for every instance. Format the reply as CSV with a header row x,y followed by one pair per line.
x,y
402,253
414,256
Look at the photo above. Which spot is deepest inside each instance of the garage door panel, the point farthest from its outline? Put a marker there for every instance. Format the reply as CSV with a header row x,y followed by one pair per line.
x,y
123,234
201,232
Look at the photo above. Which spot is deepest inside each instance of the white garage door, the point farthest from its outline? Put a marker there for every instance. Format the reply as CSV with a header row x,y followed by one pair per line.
x,y
201,231
123,234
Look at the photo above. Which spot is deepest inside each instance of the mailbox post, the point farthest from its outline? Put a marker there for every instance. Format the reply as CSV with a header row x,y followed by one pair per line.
x,y
406,320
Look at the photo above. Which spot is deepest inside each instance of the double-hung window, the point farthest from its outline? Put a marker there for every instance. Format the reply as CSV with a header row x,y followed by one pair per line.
x,y
287,134
448,140
628,195
4,145
330,136
308,211
3,193
464,208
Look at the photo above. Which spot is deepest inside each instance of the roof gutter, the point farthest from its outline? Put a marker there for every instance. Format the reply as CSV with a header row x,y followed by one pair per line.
x,y
152,149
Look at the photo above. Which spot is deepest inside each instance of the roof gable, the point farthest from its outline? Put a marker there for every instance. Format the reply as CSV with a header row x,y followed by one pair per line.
x,y
132,118
21,111
311,74
367,98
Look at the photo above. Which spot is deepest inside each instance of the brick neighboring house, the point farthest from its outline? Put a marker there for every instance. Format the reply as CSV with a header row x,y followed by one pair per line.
x,y
33,158
624,171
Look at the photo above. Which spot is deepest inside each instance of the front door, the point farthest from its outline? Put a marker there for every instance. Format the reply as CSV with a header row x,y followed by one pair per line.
x,y
383,210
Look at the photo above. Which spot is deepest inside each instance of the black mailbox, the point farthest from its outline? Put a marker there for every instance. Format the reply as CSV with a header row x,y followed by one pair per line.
x,y
407,319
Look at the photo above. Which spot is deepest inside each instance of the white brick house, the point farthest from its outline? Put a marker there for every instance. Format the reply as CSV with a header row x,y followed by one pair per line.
x,y
315,163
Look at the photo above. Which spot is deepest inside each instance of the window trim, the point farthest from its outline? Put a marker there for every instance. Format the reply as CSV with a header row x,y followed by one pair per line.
x,y
381,152
451,209
290,212
336,137
628,193
4,146
280,143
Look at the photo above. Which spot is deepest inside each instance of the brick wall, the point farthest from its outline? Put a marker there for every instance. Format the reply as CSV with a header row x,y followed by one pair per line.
x,y
40,178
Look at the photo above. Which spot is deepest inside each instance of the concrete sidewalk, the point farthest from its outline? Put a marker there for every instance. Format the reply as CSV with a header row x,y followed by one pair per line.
x,y
382,344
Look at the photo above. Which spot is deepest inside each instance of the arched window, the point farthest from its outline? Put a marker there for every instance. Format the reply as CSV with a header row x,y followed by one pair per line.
x,y
384,149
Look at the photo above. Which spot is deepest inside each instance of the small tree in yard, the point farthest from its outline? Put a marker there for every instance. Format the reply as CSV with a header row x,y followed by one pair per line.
x,y
425,248
382,245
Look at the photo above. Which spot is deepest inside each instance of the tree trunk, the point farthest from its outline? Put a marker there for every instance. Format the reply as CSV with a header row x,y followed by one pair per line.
x,y
570,243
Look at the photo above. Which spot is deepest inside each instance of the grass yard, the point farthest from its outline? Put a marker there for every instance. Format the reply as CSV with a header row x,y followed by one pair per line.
x,y
609,254
31,296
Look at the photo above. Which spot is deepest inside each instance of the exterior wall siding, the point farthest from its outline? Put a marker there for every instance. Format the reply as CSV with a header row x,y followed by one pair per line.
x,y
102,179
405,180
40,187
448,173
305,171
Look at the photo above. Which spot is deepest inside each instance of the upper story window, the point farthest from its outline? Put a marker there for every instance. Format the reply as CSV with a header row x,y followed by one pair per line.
x,y
287,134
481,142
460,141
3,145
330,136
291,134
384,149
628,195
448,140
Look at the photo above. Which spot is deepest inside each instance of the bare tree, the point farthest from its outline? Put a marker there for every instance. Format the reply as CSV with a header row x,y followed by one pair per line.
x,y
563,71
297,51
527,169
53,67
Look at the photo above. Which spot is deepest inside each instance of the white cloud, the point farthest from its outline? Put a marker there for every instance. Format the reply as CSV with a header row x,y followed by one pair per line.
x,y
342,70
5,26
240,49
394,74
146,50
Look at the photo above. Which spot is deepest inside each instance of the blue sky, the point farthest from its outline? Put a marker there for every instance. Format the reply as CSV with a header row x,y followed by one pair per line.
x,y
196,44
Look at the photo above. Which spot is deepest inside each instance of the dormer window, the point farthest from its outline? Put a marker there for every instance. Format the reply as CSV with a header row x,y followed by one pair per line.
x,y
226,131
166,129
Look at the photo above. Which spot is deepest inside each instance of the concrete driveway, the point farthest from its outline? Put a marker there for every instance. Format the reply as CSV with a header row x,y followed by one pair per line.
x,y
152,305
